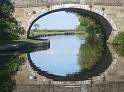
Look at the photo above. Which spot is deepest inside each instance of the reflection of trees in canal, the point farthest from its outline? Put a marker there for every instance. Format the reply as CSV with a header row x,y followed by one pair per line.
x,y
100,67
92,51
90,54
94,58
9,64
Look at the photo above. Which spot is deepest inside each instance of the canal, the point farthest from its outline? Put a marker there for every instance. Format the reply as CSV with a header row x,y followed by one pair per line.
x,y
72,63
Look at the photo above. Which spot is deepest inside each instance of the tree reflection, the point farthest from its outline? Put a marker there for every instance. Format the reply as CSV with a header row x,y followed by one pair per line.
x,y
9,64
91,52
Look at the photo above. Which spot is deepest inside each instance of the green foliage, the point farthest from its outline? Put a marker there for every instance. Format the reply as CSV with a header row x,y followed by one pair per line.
x,y
89,55
119,44
9,27
8,67
119,50
36,26
119,39
90,25
91,51
6,8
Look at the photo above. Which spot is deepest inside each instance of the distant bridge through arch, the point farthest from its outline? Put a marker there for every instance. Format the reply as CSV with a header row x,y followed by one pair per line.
x,y
109,14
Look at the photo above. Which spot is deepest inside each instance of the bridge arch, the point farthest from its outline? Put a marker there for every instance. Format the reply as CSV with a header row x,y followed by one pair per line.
x,y
85,10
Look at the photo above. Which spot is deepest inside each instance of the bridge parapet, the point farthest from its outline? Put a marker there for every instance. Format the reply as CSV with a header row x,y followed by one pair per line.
x,y
38,3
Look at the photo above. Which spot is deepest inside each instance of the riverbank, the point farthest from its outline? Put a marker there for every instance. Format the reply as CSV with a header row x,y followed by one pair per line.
x,y
37,34
25,45
33,44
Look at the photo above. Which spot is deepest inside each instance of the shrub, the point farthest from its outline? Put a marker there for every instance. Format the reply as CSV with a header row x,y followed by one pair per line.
x,y
9,27
119,39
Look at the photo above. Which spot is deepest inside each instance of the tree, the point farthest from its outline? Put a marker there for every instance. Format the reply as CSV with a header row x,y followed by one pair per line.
x,y
92,51
6,8
90,26
9,27
36,26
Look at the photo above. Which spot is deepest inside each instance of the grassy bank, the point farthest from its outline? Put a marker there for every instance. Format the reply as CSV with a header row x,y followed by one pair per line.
x,y
23,46
60,32
21,40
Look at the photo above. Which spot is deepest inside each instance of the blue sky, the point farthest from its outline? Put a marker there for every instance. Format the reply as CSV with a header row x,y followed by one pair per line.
x,y
58,20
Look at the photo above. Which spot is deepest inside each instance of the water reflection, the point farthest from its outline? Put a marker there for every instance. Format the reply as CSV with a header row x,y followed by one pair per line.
x,y
9,65
61,58
105,74
86,59
84,74
91,53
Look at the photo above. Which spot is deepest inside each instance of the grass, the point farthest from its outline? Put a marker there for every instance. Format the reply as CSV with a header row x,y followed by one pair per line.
x,y
21,40
34,33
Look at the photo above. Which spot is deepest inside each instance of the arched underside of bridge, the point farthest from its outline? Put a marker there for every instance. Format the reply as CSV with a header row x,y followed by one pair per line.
x,y
107,23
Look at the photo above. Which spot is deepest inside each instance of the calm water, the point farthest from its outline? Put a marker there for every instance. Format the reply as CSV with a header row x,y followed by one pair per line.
x,y
69,59
71,56
61,58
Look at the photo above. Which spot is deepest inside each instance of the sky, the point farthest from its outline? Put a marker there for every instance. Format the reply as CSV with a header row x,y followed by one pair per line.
x,y
58,20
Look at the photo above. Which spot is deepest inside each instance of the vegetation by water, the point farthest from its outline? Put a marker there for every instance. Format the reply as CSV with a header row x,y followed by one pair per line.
x,y
91,51
9,64
35,33
90,26
21,40
119,39
9,28
119,50
119,44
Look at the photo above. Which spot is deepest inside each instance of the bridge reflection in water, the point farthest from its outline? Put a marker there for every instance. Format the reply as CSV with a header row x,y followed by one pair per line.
x,y
104,87
111,80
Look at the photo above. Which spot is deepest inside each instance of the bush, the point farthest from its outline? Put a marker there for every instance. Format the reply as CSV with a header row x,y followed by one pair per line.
x,y
9,27
119,50
119,39
90,26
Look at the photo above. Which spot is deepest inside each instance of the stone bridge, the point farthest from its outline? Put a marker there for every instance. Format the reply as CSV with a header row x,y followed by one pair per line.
x,y
110,13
